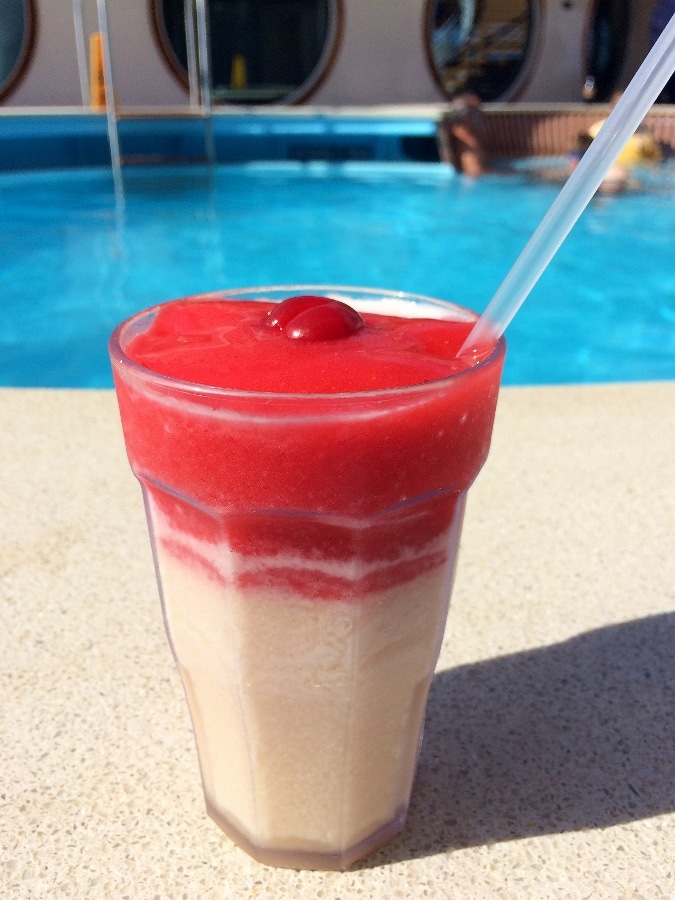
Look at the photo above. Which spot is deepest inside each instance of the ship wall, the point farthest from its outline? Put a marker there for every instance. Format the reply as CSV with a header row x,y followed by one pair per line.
x,y
381,58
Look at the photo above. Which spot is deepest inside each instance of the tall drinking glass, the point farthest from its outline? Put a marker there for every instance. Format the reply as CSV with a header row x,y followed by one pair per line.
x,y
305,547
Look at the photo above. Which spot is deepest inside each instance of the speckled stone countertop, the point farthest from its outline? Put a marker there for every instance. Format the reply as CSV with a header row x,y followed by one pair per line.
x,y
548,765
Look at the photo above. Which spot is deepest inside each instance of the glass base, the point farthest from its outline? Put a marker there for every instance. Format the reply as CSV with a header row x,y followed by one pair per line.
x,y
310,859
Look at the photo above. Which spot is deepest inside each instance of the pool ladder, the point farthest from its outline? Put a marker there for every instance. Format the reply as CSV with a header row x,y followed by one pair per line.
x,y
199,76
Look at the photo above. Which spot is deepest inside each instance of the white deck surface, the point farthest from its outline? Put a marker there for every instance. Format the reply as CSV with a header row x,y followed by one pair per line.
x,y
548,766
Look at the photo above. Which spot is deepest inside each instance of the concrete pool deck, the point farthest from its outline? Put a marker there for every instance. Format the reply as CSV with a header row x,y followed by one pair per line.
x,y
548,765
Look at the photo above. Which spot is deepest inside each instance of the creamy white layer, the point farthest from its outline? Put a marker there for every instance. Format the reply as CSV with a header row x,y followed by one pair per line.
x,y
307,713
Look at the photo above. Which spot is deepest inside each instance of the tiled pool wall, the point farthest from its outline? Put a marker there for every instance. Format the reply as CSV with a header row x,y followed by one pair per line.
x,y
39,140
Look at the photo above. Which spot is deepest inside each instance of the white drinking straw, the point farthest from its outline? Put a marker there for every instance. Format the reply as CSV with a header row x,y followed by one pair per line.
x,y
644,88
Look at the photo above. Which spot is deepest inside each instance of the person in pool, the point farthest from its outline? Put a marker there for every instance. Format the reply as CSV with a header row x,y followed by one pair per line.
x,y
581,144
460,136
618,178
572,159
641,148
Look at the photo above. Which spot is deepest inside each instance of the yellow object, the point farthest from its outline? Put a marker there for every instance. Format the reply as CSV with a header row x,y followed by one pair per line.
x,y
239,77
641,147
96,74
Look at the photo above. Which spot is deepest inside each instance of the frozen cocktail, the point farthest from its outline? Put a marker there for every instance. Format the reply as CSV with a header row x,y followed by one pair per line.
x,y
304,456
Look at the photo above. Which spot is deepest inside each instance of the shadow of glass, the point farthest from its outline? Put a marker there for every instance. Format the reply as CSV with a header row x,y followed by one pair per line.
x,y
573,736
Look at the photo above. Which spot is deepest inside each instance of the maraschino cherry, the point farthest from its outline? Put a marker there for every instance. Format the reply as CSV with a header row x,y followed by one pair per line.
x,y
312,318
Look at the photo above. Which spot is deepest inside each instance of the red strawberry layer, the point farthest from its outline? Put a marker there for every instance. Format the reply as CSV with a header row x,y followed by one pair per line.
x,y
228,344
365,475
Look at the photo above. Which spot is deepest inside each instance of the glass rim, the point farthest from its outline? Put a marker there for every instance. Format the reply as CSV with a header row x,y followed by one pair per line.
x,y
120,359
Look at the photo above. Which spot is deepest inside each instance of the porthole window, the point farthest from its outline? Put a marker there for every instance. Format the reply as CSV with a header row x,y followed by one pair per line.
x,y
17,34
481,46
261,51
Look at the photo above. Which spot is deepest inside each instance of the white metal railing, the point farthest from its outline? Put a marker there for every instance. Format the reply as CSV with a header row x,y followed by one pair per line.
x,y
81,49
192,52
197,37
204,59
111,115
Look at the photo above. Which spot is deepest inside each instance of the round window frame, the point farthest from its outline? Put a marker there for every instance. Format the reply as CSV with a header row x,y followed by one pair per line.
x,y
301,94
520,82
26,52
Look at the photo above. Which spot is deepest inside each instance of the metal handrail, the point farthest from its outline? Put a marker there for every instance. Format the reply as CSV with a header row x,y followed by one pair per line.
x,y
81,49
203,51
191,47
111,115
199,74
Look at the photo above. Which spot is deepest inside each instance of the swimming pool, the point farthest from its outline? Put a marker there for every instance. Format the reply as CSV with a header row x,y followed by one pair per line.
x,y
74,263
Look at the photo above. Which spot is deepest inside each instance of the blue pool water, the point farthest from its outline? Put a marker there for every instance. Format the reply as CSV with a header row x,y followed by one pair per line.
x,y
73,263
